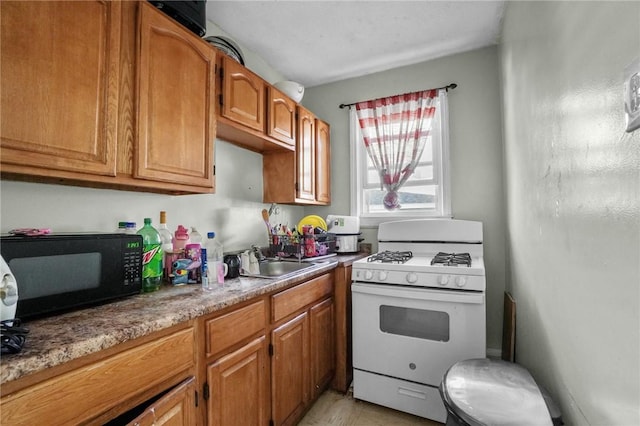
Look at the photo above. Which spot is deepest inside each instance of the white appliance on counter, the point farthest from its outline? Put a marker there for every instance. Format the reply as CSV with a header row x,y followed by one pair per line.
x,y
418,307
8,292
347,232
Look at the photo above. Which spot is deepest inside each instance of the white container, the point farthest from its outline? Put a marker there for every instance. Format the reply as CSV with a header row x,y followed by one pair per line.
x,y
343,225
8,292
292,89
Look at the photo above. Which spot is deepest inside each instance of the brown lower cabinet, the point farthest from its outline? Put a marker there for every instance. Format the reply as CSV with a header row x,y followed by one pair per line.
x,y
261,362
154,373
177,407
267,361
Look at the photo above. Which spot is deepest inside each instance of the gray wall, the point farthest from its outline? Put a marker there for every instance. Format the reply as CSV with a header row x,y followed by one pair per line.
x,y
476,149
572,182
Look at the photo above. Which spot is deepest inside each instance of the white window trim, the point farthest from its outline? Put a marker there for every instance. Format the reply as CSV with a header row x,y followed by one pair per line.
x,y
358,155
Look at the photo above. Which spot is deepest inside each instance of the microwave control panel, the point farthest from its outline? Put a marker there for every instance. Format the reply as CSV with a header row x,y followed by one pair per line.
x,y
132,262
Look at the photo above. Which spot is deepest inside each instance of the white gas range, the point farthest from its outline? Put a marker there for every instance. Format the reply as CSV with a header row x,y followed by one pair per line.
x,y
418,308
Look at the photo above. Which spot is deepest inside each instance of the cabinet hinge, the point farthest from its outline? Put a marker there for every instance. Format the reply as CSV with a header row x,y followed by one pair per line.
x,y
205,391
296,186
270,349
271,422
196,392
214,169
221,72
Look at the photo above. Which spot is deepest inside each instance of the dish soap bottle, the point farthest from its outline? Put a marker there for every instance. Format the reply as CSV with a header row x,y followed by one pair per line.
x,y
151,257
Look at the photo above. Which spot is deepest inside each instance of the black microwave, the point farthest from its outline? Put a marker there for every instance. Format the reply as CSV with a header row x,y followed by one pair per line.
x,y
60,272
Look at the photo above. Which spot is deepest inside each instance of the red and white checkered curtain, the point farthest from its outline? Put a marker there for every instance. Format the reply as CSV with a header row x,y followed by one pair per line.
x,y
395,132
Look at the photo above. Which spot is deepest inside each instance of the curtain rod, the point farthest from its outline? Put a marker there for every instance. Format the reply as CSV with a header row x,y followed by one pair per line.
x,y
450,86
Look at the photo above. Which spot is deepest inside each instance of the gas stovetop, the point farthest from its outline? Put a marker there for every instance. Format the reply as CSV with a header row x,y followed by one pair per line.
x,y
435,270
390,257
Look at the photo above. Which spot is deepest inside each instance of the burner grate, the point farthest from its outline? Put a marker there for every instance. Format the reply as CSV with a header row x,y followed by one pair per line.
x,y
391,257
452,259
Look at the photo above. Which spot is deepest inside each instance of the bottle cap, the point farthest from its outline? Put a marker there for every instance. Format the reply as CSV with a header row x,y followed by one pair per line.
x,y
211,234
181,233
163,216
147,221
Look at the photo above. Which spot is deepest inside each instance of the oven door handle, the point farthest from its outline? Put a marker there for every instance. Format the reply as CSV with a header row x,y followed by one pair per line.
x,y
418,293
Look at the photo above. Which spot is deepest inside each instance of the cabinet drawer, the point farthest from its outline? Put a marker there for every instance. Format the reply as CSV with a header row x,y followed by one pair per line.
x,y
292,300
229,329
80,395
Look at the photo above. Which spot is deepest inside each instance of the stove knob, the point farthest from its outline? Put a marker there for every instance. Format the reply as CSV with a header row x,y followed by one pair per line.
x,y
461,281
368,275
412,277
443,279
382,275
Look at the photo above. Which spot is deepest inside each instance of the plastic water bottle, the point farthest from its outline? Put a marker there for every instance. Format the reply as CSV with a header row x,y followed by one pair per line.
x,y
214,259
194,236
207,282
151,257
130,228
167,245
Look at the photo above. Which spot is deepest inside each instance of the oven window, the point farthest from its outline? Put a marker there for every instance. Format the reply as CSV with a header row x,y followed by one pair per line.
x,y
420,323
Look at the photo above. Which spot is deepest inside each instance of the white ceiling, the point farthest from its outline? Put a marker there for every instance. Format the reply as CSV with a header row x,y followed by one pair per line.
x,y
317,42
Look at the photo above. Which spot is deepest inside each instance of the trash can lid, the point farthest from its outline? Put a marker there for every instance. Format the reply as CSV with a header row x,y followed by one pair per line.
x,y
494,392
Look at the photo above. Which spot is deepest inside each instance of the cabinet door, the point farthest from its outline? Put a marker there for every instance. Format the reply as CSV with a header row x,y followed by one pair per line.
x,y
242,95
323,162
290,370
176,110
176,408
59,80
322,343
281,117
239,387
306,153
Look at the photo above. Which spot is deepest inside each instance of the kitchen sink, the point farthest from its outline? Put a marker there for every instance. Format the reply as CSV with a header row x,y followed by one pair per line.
x,y
280,268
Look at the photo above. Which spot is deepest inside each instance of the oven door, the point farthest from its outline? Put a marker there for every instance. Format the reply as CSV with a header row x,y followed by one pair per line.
x,y
415,334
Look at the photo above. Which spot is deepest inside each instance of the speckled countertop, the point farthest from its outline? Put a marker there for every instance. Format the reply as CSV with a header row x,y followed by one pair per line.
x,y
55,340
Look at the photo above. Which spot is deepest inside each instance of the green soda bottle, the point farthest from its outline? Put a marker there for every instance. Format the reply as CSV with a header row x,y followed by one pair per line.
x,y
151,257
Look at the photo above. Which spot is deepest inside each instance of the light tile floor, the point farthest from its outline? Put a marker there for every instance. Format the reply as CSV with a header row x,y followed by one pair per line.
x,y
333,408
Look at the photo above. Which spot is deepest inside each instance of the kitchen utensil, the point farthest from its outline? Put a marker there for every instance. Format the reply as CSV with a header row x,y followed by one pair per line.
x,y
314,221
265,217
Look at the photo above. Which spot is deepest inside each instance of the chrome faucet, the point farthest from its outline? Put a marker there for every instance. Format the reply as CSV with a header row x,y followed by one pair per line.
x,y
258,252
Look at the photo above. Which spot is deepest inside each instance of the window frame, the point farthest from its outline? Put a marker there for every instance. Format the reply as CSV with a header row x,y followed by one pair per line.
x,y
441,173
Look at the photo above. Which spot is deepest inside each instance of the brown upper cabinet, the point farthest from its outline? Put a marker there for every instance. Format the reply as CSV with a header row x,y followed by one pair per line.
x,y
295,144
303,176
323,162
105,94
245,118
281,117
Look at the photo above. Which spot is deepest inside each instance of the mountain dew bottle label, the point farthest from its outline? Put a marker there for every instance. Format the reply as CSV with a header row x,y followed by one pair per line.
x,y
151,257
152,261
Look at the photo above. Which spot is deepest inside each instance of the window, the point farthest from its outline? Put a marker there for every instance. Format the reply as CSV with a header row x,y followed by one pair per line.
x,y
424,194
